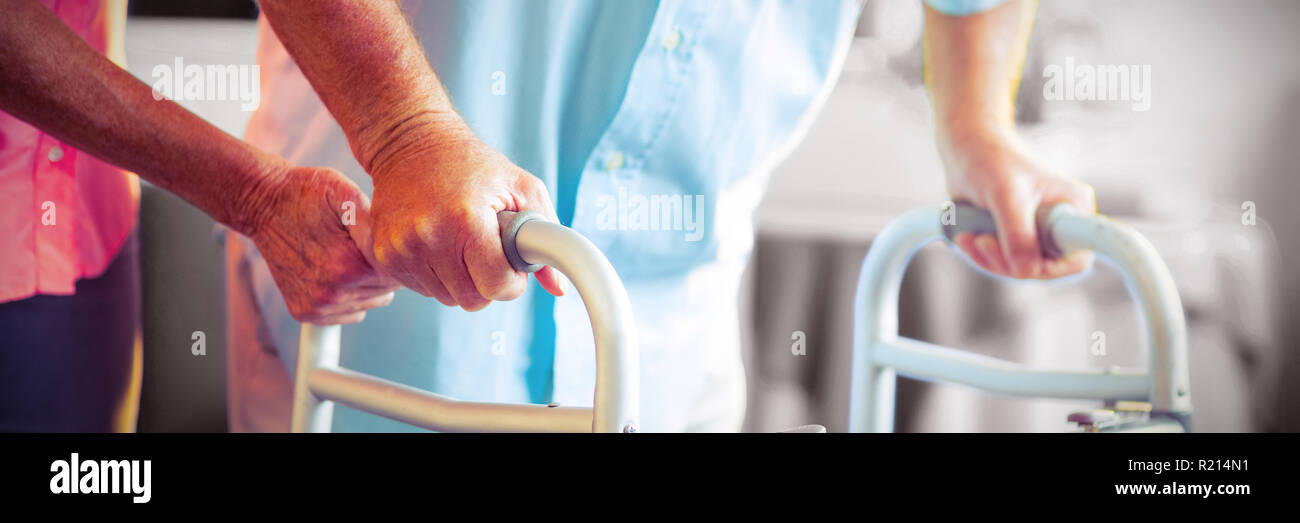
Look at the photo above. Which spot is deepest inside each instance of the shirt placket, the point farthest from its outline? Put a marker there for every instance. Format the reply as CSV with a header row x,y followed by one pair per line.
x,y
55,210
659,74
654,88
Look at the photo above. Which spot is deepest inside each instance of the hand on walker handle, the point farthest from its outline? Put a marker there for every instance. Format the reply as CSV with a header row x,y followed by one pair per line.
x,y
523,236
436,201
997,174
964,219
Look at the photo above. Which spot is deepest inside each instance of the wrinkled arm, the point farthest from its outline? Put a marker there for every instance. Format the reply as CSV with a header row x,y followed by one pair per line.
x,y
50,78
365,62
437,186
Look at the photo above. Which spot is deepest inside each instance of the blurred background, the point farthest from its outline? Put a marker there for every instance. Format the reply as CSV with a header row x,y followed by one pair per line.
x,y
1221,131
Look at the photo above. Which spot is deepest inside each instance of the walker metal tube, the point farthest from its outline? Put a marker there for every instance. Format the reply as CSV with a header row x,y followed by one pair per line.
x,y
617,377
878,350
318,347
529,242
426,409
941,364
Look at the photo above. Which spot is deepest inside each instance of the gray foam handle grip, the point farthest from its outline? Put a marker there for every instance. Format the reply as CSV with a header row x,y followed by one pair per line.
x,y
968,218
511,222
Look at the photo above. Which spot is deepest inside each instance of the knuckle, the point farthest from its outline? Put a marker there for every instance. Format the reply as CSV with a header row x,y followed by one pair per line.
x,y
533,190
419,238
383,253
463,215
423,229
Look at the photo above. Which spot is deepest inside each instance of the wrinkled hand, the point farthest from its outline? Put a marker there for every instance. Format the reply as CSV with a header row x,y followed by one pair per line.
x,y
999,175
435,223
317,247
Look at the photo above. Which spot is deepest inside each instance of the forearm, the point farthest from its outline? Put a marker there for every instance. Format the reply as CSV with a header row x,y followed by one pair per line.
x,y
53,80
363,59
972,69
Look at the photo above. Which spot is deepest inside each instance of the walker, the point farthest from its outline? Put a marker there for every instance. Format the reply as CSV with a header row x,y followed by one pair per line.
x,y
1157,400
529,242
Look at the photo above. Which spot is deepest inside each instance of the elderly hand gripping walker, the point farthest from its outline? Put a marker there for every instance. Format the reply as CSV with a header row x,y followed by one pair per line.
x,y
879,353
529,242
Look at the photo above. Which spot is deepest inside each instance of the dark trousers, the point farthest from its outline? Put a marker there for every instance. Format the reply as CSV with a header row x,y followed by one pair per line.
x,y
66,362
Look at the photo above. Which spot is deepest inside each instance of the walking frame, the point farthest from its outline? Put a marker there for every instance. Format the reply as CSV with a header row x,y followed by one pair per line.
x,y
529,242
1156,400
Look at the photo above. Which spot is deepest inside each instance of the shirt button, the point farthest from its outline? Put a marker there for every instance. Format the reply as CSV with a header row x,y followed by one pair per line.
x,y
614,162
672,39
56,154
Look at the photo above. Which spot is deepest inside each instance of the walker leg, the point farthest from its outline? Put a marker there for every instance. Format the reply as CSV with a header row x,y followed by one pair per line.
x,y
885,382
318,347
871,406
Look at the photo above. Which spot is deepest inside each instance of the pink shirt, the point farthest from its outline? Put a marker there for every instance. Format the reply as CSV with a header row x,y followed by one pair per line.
x,y
65,214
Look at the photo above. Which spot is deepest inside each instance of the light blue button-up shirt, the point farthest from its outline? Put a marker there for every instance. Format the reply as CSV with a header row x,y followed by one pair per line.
x,y
654,125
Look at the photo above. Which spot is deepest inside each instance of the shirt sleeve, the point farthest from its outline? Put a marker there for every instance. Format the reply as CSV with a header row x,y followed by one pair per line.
x,y
963,7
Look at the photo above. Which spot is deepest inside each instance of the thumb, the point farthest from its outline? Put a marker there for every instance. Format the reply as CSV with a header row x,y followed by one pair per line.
x,y
360,231
352,208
